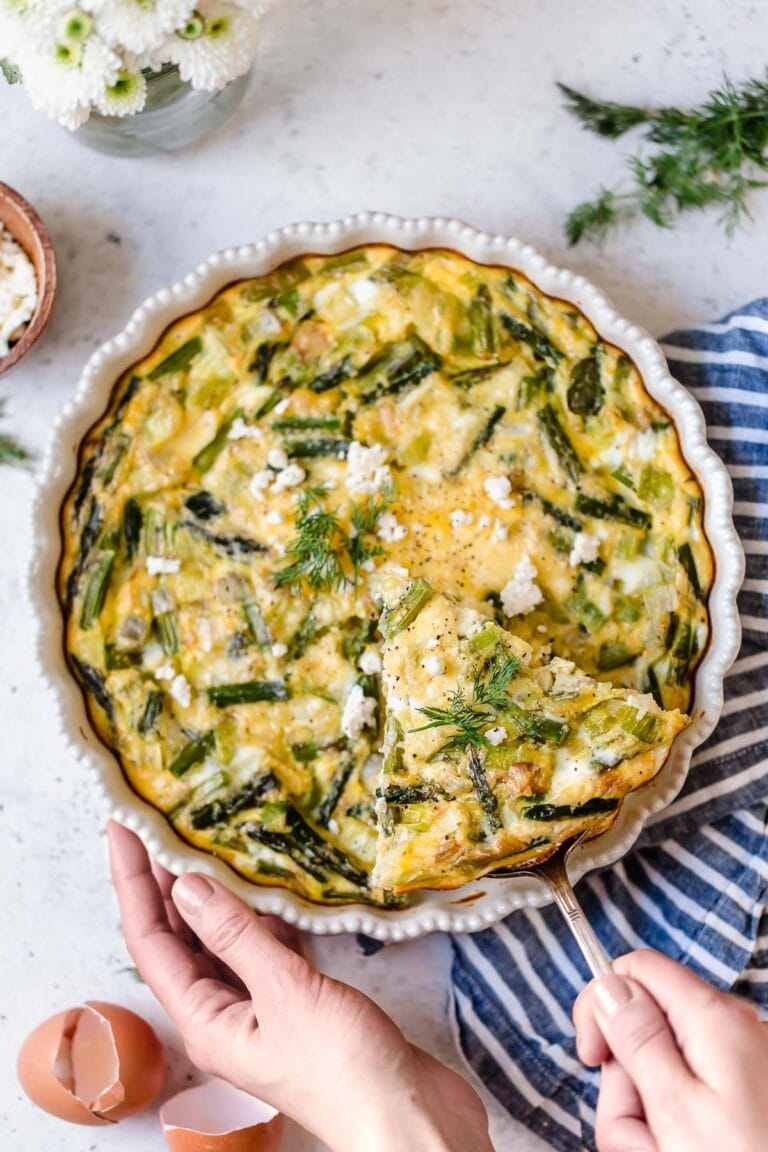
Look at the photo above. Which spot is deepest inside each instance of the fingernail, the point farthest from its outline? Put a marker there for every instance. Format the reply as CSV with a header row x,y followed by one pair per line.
x,y
612,992
190,892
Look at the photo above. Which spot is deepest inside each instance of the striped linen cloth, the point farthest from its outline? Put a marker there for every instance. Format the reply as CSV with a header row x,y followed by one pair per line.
x,y
696,885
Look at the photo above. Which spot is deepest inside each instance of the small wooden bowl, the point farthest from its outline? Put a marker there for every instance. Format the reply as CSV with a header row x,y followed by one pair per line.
x,y
28,230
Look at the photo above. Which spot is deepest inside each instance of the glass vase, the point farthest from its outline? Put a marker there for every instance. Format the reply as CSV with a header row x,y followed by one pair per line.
x,y
175,116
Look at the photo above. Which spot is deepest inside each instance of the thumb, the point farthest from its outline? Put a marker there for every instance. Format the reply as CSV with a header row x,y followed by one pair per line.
x,y
638,1034
234,933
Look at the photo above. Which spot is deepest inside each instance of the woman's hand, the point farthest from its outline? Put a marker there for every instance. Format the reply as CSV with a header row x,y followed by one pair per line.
x,y
685,1068
254,1012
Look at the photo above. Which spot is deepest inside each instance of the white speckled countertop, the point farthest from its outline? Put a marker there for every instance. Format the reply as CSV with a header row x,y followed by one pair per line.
x,y
437,107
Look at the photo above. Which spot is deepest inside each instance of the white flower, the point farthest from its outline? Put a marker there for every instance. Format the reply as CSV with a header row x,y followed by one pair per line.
x,y
224,49
140,26
65,79
128,94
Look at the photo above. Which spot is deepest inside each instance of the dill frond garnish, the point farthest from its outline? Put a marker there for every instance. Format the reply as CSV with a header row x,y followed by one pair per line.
x,y
711,155
470,717
11,452
325,554
314,554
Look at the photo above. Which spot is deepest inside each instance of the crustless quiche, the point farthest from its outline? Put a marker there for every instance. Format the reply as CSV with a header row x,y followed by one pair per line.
x,y
237,508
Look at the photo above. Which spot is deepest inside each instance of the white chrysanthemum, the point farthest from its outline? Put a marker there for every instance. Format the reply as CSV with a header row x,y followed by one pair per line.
x,y
140,26
128,94
64,80
219,52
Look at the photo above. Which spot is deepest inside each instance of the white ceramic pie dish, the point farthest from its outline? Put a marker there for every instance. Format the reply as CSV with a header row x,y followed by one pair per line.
x,y
485,901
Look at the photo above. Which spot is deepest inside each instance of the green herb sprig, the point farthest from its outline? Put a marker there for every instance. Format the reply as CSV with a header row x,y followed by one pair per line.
x,y
710,155
470,717
11,452
323,553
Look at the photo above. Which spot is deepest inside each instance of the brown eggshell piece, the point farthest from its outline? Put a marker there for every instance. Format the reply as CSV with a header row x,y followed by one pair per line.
x,y
142,1068
94,1064
215,1117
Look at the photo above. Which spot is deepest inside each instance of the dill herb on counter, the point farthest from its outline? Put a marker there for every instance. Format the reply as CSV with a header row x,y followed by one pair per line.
x,y
713,154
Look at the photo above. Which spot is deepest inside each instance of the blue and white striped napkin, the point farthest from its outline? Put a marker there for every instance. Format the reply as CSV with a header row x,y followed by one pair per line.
x,y
697,883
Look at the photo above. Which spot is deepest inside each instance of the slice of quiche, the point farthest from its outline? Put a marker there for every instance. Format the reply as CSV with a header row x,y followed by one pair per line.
x,y
495,751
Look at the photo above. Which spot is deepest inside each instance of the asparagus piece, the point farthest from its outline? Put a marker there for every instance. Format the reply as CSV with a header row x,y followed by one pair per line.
x,y
207,456
333,377
220,811
685,556
307,449
585,394
615,655
561,445
540,728
396,367
299,423
229,545
541,346
94,681
257,625
397,618
411,793
482,326
179,360
550,812
481,439
335,791
96,589
151,713
248,692
192,754
612,509
132,523
488,801
204,506
165,621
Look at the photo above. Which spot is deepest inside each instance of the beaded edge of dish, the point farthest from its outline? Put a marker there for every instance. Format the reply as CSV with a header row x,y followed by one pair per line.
x,y
435,911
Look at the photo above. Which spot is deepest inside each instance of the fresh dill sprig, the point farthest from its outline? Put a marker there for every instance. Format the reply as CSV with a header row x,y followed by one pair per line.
x,y
11,452
314,554
323,552
711,154
364,520
471,717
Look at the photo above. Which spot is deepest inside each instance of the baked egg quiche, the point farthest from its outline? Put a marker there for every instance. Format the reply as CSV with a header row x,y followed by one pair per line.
x,y
495,751
252,477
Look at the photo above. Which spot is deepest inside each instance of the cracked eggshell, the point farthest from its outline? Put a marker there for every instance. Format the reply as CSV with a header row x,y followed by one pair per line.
x,y
93,1064
215,1117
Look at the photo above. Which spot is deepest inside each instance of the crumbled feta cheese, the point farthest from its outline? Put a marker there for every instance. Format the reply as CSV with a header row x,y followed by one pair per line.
x,y
389,530
181,691
469,621
521,594
364,291
568,680
275,516
433,665
496,735
367,470
370,661
643,446
278,545
500,531
541,628
242,431
484,522
277,459
498,488
205,634
460,519
18,290
585,549
259,482
380,807
368,565
432,643
279,650
288,477
281,406
165,672
162,565
268,322
359,712
333,827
